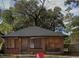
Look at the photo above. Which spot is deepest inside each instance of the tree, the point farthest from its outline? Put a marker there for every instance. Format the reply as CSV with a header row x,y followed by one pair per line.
x,y
7,24
30,8
68,18
1,43
38,15
33,13
58,18
75,2
7,17
5,28
28,14
74,37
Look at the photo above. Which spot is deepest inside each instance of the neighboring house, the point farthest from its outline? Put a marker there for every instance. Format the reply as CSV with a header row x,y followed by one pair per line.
x,y
32,40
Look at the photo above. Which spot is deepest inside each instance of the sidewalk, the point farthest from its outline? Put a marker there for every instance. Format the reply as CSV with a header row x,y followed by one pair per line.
x,y
33,56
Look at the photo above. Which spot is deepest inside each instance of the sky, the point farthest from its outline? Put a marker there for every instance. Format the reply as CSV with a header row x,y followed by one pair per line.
x,y
60,3
5,4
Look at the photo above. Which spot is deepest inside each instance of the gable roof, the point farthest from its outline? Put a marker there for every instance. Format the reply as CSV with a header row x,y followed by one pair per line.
x,y
34,31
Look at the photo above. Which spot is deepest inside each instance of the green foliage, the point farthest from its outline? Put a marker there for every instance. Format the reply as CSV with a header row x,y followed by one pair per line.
x,y
75,22
67,40
74,37
1,43
6,25
31,13
7,16
74,1
24,13
5,28
72,26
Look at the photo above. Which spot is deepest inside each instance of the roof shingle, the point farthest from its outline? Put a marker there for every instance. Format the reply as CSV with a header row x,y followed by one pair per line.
x,y
34,31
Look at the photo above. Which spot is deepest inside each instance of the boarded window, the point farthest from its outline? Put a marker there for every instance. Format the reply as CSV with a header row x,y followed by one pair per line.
x,y
31,44
54,45
35,43
10,43
24,43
